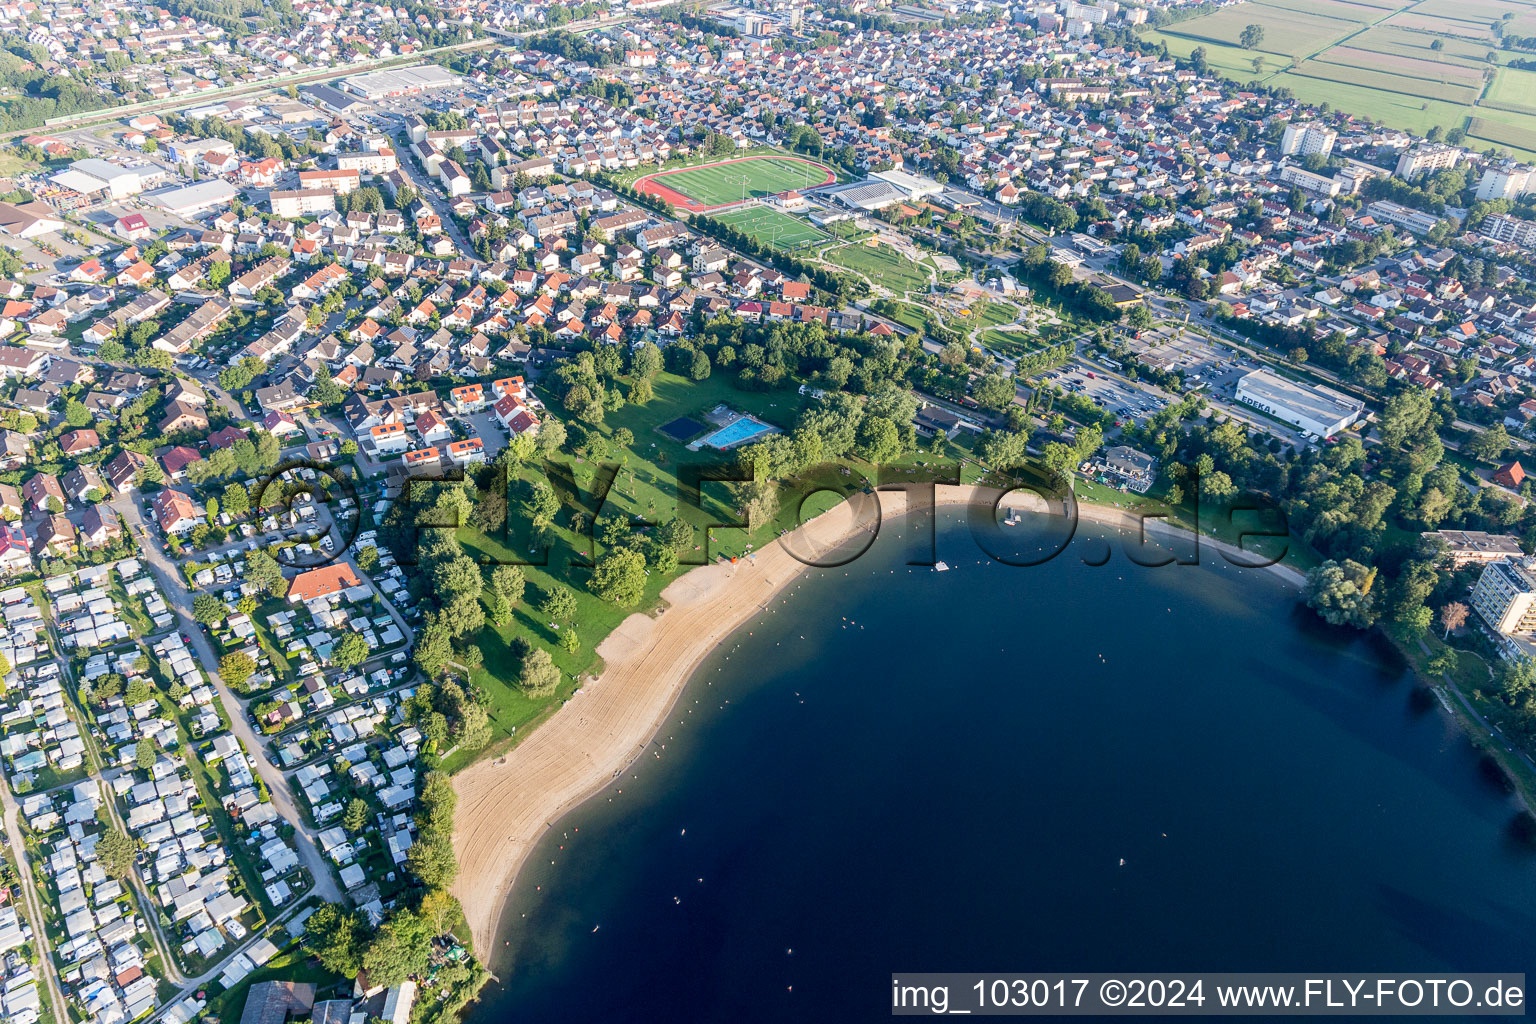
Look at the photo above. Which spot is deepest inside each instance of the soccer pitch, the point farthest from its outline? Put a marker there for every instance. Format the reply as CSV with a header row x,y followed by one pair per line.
x,y
731,181
771,227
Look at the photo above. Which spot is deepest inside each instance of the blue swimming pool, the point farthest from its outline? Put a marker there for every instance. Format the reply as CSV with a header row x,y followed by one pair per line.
x,y
744,429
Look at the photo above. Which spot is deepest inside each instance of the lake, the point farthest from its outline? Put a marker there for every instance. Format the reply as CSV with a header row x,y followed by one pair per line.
x,y
902,770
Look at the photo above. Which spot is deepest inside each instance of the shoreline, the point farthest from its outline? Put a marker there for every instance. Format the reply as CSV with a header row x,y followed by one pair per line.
x,y
507,803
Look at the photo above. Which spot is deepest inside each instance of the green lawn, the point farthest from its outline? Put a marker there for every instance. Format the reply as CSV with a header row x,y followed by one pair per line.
x,y
716,184
644,487
772,227
882,265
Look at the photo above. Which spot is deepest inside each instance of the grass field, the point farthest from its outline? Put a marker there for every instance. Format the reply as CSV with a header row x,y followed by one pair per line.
x,y
1376,59
882,265
1503,133
1414,88
731,181
646,487
1512,89
773,228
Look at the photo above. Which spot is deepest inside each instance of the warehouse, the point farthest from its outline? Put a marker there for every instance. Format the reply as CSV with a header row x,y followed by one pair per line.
x,y
92,175
400,81
1312,410
193,199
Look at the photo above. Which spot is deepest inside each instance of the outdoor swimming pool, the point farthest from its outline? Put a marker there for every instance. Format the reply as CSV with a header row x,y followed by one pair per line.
x,y
737,432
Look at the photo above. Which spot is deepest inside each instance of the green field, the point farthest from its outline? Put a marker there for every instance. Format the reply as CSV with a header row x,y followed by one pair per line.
x,y
1519,137
1377,59
645,488
729,183
882,265
1410,87
1513,90
771,227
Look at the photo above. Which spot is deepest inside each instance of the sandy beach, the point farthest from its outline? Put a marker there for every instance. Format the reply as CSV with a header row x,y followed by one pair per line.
x,y
506,804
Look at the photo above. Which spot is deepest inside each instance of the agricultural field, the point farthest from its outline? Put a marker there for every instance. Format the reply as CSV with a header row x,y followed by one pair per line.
x,y
1512,90
773,228
1409,65
731,181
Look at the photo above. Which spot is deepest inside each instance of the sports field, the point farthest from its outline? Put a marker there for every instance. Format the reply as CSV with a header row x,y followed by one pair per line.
x,y
710,186
773,228
1410,64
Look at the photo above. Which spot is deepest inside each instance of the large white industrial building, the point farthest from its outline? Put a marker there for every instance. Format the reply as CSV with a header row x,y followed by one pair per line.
x,y
1310,409
93,175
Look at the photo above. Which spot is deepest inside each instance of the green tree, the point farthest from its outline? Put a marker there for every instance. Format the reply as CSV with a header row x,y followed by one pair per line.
x,y
262,570
508,581
434,649
116,853
145,754
1487,445
994,391
1340,592
620,577
700,368
207,609
539,676
236,667
559,604
356,817
350,650
1252,36
337,937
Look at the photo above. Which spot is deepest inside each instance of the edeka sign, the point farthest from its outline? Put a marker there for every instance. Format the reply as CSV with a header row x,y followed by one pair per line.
x,y
1254,530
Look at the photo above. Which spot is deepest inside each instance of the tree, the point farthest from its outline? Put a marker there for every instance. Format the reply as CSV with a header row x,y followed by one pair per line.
x,y
368,558
262,570
559,604
508,581
350,650
1452,616
1341,593
400,949
356,817
1251,37
236,667
994,391
116,853
475,726
207,609
700,368
434,649
1487,445
620,577
569,641
459,576
145,753
539,676
75,413
336,936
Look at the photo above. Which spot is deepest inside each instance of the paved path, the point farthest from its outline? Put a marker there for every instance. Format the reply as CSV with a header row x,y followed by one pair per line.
x,y
33,902
180,598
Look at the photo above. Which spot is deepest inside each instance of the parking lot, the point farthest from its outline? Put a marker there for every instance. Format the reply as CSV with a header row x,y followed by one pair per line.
x,y
1131,401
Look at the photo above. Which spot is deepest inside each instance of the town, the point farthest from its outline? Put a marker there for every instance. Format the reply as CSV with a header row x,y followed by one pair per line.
x,y
302,301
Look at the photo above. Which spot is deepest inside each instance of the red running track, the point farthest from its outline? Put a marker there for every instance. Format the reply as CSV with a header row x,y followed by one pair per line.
x,y
649,186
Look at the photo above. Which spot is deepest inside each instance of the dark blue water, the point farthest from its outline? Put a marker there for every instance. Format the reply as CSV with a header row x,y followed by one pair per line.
x,y
923,771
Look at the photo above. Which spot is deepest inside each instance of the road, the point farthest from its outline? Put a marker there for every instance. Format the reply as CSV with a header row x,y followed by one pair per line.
x,y
179,597
33,902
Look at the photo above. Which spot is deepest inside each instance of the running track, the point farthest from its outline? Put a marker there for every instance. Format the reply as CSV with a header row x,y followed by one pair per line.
x,y
649,186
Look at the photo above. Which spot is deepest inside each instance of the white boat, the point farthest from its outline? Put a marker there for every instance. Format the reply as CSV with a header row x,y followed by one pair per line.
x,y
941,567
